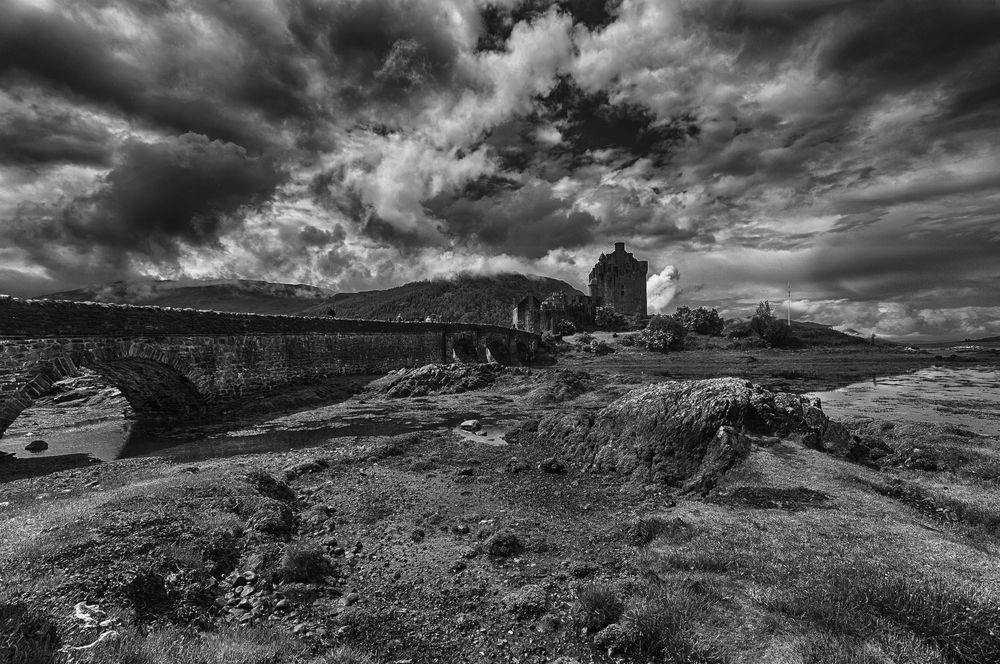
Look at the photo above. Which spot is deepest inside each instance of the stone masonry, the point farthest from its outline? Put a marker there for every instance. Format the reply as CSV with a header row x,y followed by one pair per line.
x,y
618,280
175,363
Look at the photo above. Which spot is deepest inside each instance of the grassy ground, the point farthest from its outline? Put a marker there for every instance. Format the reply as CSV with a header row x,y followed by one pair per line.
x,y
431,547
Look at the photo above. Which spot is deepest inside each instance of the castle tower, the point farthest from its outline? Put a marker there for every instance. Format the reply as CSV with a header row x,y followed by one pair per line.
x,y
618,280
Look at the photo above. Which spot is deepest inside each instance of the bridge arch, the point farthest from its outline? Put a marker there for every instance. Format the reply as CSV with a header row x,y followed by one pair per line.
x,y
497,350
465,350
156,383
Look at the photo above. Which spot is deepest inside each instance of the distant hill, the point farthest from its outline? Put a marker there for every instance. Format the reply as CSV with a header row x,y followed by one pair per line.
x,y
466,297
239,295
485,299
806,333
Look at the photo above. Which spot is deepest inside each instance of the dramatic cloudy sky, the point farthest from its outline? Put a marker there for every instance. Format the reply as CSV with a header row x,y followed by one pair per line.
x,y
850,148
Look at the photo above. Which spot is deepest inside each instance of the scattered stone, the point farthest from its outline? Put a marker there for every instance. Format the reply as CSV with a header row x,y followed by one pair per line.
x,y
469,425
466,472
303,468
351,598
526,602
465,621
518,466
566,660
461,529
549,623
418,535
283,605
553,466
36,446
580,570
503,544
615,638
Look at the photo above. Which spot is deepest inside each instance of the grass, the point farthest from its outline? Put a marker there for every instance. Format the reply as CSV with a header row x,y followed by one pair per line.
x,y
597,606
658,620
863,598
647,529
172,645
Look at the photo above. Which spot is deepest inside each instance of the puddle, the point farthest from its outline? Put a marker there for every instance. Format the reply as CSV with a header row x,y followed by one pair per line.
x,y
968,397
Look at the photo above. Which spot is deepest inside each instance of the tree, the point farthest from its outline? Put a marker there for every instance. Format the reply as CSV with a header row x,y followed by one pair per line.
x,y
766,325
607,318
700,321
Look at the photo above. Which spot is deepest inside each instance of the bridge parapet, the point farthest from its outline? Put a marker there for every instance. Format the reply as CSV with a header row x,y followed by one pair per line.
x,y
61,318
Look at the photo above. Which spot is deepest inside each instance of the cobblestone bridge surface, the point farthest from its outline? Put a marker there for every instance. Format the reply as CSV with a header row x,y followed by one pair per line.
x,y
176,363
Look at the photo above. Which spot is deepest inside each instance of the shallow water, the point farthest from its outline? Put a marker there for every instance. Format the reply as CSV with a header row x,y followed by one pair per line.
x,y
119,438
968,397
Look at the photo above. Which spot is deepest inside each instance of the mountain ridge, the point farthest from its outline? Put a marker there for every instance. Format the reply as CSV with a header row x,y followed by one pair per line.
x,y
462,298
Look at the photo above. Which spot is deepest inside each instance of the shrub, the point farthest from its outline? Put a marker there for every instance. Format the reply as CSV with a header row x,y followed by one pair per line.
x,y
607,318
584,339
700,320
630,340
664,333
597,606
564,328
765,325
549,340
304,563
600,347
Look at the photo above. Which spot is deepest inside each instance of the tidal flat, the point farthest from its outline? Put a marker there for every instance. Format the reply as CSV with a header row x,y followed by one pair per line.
x,y
514,522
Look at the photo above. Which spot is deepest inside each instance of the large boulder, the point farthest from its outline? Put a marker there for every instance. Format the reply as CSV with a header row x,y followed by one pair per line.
x,y
685,434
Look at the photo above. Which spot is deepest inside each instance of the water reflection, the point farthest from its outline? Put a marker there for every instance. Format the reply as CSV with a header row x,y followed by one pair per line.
x,y
968,397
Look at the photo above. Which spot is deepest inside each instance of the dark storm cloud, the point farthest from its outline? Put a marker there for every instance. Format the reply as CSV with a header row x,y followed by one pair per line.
x,y
523,222
40,134
75,58
377,50
903,43
160,196
590,122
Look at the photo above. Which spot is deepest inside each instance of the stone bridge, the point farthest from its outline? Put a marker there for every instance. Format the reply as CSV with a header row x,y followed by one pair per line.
x,y
177,363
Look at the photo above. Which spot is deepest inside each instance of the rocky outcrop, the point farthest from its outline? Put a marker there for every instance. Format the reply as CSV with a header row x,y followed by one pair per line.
x,y
685,434
433,379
